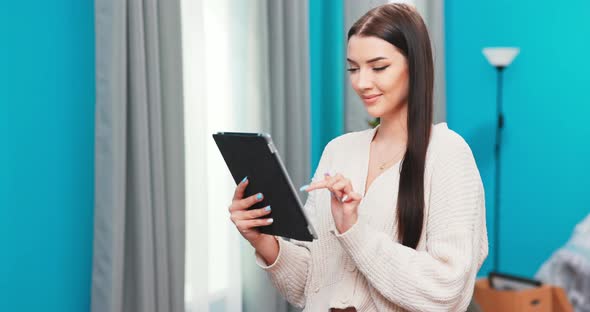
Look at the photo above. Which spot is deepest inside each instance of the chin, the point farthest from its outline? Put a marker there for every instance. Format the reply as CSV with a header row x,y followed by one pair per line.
x,y
375,112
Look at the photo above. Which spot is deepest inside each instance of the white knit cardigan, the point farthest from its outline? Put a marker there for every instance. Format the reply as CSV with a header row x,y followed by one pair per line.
x,y
366,267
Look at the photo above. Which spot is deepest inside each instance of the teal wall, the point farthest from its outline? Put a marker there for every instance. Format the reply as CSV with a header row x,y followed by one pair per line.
x,y
46,160
546,150
327,60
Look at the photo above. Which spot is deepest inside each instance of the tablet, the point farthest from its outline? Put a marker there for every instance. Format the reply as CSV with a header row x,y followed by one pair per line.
x,y
254,155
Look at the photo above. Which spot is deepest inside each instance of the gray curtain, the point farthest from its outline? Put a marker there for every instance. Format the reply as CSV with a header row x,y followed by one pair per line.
x,y
289,85
432,12
287,101
434,16
138,260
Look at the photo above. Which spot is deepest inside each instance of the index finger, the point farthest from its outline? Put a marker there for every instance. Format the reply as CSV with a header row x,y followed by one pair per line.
x,y
315,186
239,192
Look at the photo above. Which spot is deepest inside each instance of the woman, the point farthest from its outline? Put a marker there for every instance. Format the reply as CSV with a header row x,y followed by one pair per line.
x,y
399,209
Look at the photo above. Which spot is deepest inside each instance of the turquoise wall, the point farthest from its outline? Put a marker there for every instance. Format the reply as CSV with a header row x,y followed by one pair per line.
x,y
327,60
46,161
546,150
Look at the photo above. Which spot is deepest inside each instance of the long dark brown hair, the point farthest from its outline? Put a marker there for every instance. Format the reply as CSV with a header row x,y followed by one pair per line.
x,y
402,26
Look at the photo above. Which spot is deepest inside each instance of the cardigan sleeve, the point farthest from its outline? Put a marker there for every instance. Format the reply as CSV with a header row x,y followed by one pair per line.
x,y
292,267
442,277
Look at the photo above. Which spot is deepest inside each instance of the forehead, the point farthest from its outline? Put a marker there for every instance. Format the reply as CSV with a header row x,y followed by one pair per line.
x,y
365,48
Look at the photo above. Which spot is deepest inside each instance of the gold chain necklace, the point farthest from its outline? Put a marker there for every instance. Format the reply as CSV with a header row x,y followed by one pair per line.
x,y
384,165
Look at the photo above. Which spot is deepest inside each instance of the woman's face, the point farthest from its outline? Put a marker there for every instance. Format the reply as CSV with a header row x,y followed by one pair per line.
x,y
379,74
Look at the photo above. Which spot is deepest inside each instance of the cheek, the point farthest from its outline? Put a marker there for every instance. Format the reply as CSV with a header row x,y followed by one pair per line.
x,y
394,85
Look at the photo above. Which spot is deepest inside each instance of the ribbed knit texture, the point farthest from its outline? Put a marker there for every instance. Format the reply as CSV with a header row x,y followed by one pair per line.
x,y
366,267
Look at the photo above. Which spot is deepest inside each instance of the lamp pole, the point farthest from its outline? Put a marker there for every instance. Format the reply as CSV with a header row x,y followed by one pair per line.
x,y
500,58
499,126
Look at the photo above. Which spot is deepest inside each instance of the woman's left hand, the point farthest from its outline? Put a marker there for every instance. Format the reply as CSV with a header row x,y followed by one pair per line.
x,y
345,201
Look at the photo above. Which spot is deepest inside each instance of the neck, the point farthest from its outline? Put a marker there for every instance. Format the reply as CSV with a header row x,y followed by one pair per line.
x,y
393,128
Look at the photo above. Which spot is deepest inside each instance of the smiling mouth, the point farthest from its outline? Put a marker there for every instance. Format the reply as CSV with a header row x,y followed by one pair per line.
x,y
370,96
370,100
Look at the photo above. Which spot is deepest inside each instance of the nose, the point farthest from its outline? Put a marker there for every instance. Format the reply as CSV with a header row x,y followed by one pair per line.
x,y
365,80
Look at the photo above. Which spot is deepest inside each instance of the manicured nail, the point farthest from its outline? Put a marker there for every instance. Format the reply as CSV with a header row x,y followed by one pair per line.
x,y
344,198
269,220
267,208
303,188
259,196
245,179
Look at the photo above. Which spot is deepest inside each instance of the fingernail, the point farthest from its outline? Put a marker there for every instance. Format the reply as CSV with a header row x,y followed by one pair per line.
x,y
269,220
267,208
259,196
327,174
245,179
345,198
303,188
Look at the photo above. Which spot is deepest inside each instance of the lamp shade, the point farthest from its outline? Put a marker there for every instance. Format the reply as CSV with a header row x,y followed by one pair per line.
x,y
500,56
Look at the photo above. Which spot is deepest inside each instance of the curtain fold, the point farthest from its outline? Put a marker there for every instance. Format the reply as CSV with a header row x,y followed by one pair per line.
x,y
282,59
138,260
289,84
433,13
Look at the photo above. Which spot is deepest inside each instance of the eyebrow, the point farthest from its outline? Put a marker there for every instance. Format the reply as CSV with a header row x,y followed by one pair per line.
x,y
375,59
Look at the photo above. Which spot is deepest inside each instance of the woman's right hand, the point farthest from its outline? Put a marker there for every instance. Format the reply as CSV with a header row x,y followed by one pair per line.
x,y
247,221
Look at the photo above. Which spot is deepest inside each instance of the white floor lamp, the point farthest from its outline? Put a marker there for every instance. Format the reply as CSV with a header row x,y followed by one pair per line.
x,y
500,58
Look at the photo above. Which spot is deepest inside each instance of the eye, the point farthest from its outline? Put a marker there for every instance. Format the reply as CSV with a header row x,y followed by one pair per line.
x,y
352,70
380,68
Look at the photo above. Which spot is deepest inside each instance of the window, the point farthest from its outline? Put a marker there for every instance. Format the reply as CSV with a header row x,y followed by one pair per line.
x,y
223,91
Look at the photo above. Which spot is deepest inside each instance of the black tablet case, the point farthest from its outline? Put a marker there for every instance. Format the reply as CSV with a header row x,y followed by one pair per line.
x,y
255,156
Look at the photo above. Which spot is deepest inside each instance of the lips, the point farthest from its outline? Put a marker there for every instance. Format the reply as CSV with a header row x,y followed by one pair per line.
x,y
370,99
